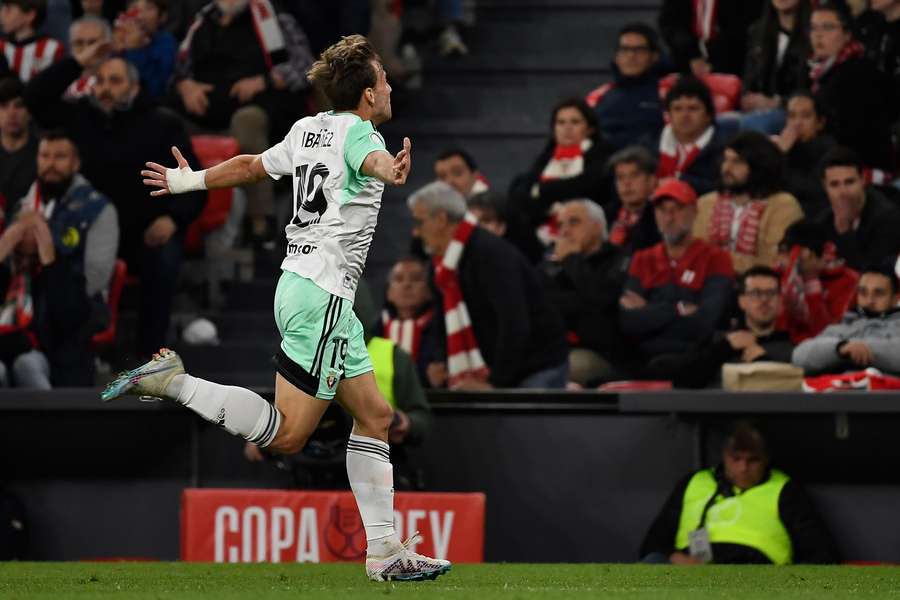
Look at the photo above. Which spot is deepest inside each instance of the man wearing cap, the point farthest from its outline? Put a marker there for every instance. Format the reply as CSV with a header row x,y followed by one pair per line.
x,y
739,512
677,290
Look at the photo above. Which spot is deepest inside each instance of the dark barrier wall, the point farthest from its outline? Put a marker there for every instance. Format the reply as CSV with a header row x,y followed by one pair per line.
x,y
579,481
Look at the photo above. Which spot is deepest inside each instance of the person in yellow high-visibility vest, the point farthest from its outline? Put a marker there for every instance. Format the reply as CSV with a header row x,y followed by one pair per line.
x,y
740,512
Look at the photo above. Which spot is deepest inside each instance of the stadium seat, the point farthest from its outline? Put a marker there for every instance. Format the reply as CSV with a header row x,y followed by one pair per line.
x,y
211,150
116,283
725,88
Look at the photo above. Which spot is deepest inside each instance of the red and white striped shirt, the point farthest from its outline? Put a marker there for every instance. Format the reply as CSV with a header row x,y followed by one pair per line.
x,y
28,57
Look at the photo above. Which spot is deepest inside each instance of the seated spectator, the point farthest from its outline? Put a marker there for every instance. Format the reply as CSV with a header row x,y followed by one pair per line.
x,y
492,212
755,338
25,51
805,143
678,290
878,29
748,215
775,523
18,146
572,165
584,277
499,328
709,36
243,72
816,289
690,146
629,108
839,72
457,168
45,317
868,336
634,171
133,132
862,222
777,51
140,36
408,315
84,32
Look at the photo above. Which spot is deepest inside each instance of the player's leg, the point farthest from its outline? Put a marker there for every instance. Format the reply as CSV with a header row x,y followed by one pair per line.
x,y
370,471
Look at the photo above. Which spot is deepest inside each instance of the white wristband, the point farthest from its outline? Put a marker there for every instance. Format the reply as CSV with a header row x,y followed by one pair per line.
x,y
185,180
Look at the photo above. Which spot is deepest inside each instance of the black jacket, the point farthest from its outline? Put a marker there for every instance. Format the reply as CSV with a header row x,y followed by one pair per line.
x,y
762,74
860,121
882,42
876,238
586,291
519,331
804,179
811,541
115,147
726,50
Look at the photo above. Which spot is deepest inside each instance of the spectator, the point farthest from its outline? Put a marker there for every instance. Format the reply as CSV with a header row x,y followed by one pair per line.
x,y
243,72
144,43
839,71
816,288
749,213
491,210
25,51
408,315
878,29
18,146
690,146
756,337
584,277
116,131
805,142
457,168
776,67
629,107
83,33
678,290
868,336
504,331
572,165
45,307
862,222
634,171
709,35
775,523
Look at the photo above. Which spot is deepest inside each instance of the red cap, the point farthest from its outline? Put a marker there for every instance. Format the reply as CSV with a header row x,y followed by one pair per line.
x,y
677,190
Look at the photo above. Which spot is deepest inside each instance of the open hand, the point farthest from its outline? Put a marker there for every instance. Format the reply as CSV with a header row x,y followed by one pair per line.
x,y
155,176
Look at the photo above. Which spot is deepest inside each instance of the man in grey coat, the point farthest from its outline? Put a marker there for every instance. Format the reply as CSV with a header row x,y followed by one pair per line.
x,y
868,336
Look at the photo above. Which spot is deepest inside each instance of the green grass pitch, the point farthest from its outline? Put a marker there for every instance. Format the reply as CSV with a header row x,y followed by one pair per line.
x,y
156,581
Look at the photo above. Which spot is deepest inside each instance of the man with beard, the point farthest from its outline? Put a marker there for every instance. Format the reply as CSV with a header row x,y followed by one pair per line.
x,y
869,336
117,131
84,230
750,213
677,290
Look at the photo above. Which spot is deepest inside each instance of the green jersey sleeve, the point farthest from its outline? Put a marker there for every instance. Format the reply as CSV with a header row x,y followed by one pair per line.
x,y
362,139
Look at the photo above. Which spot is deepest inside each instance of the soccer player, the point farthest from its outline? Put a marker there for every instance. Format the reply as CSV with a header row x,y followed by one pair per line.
x,y
339,166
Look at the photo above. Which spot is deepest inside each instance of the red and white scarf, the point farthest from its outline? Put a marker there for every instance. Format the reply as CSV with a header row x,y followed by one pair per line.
x,y
265,24
80,88
721,225
406,333
676,158
28,59
819,67
464,358
625,221
704,19
17,310
566,162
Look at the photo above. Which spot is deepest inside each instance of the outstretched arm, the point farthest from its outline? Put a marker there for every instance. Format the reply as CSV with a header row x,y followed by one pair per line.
x,y
392,170
240,170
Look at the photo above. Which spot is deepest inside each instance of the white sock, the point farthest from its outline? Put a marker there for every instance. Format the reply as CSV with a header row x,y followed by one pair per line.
x,y
238,410
372,481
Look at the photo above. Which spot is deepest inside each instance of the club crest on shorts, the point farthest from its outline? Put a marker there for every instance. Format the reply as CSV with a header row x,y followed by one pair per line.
x,y
331,379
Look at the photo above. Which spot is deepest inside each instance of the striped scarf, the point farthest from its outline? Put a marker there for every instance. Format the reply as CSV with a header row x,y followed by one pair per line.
x,y
566,162
625,221
31,57
265,24
676,158
819,67
464,358
722,224
17,309
406,333
704,19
